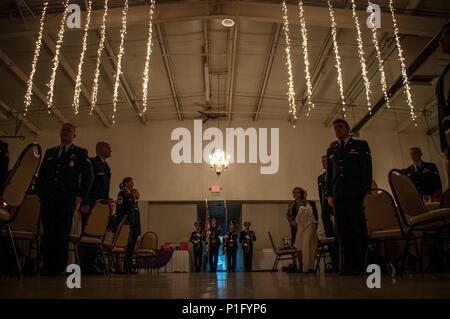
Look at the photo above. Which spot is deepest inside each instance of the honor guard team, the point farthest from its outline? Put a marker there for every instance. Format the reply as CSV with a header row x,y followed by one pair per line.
x,y
69,180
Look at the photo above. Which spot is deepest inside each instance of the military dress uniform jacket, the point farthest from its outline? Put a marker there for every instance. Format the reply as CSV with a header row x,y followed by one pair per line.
x,y
214,239
249,242
426,178
101,182
69,174
443,108
230,243
322,184
127,207
349,170
196,240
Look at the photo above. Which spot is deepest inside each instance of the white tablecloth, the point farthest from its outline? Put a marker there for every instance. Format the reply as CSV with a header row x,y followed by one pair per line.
x,y
179,262
264,259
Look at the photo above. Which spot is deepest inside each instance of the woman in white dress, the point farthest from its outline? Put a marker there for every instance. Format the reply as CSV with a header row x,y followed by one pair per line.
x,y
306,239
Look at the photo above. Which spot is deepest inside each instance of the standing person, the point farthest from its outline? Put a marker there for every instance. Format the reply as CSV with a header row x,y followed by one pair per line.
x,y
425,176
327,212
230,246
99,191
349,171
443,99
291,217
196,239
214,244
246,239
63,181
126,209
306,233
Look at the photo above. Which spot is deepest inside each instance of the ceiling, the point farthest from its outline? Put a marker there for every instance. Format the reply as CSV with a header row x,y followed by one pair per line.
x,y
246,63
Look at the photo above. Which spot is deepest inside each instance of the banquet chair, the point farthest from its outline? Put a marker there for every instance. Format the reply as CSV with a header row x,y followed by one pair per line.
x,y
383,221
25,227
323,250
147,248
120,243
94,231
445,200
13,192
282,254
414,214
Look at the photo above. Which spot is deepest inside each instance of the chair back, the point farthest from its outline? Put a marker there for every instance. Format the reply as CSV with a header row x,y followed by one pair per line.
x,y
97,223
149,241
445,201
123,233
273,244
380,211
19,180
406,195
27,215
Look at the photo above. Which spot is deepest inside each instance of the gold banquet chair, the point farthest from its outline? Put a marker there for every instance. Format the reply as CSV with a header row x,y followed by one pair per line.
x,y
323,250
414,214
13,192
25,227
120,243
383,220
147,247
95,230
445,201
282,254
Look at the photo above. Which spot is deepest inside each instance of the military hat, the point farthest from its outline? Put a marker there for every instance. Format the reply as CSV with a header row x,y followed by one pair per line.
x,y
247,223
212,218
196,224
233,222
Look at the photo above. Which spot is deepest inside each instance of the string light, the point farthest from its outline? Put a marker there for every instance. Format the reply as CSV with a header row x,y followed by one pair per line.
x,y
119,58
407,87
147,59
304,32
291,92
337,56
383,83
77,91
362,58
55,63
37,50
101,44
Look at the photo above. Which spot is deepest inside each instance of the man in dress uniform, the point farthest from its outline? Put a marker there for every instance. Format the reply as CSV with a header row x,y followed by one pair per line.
x,y
63,181
349,172
327,212
246,239
214,244
230,246
425,176
196,239
443,99
99,191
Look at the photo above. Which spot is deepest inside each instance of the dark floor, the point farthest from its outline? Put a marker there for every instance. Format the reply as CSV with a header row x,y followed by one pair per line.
x,y
228,285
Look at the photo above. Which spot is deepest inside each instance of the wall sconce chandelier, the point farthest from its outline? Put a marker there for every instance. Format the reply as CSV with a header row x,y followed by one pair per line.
x,y
219,161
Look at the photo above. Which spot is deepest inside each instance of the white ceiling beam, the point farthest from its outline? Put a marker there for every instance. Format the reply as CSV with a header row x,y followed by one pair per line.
x,y
73,76
232,45
253,11
125,87
169,68
268,69
9,109
24,78
206,75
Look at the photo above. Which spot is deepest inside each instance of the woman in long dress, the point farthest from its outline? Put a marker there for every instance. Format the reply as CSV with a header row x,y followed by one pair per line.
x,y
306,239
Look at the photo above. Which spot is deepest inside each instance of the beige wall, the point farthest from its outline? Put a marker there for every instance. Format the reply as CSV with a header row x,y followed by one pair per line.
x,y
143,152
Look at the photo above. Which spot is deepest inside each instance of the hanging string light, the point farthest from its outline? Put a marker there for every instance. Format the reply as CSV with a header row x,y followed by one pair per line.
x,y
77,91
147,59
123,31
304,32
337,56
101,44
407,87
55,63
291,92
37,50
383,82
361,54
